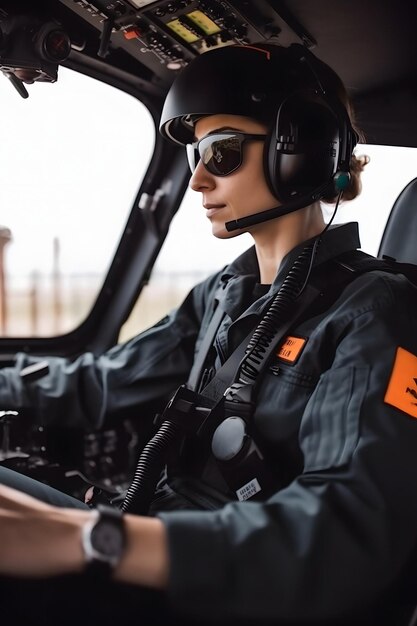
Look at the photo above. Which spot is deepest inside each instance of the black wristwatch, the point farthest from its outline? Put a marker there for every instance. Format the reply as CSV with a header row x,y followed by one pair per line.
x,y
104,541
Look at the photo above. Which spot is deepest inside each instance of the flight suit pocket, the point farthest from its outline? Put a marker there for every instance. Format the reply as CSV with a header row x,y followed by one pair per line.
x,y
330,426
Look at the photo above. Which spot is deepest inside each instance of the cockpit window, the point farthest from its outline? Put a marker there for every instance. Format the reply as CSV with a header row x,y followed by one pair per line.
x,y
70,168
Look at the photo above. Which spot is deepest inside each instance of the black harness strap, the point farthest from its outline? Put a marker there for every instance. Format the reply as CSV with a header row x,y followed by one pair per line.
x,y
226,374
360,262
206,344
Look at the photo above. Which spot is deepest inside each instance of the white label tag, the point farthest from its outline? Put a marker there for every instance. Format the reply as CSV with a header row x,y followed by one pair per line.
x,y
247,491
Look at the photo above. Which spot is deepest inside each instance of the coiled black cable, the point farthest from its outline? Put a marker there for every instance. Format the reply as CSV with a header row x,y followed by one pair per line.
x,y
291,288
151,461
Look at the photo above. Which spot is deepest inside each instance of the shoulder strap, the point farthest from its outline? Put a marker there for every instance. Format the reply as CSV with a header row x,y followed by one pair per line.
x,y
205,346
360,262
226,374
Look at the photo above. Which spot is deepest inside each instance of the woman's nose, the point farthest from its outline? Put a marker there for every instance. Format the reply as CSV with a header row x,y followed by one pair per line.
x,y
201,178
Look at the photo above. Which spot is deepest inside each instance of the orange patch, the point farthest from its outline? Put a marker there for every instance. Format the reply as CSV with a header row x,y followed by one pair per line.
x,y
402,387
291,349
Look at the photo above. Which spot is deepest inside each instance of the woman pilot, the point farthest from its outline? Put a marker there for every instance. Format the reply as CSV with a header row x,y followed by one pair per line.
x,y
321,527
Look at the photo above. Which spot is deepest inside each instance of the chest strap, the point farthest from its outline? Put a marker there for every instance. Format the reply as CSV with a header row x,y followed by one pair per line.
x,y
206,344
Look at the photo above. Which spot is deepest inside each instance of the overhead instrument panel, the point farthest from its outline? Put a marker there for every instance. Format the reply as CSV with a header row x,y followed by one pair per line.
x,y
165,35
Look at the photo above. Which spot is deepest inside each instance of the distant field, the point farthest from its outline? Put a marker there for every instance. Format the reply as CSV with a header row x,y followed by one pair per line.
x,y
42,306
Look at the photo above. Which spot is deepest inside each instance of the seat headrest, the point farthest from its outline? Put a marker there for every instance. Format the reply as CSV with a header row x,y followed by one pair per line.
x,y
399,239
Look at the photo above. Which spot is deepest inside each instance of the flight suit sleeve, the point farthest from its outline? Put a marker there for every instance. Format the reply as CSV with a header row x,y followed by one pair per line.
x,y
340,534
83,392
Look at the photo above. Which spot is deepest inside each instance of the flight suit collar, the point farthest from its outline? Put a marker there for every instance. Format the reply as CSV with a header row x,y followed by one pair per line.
x,y
240,277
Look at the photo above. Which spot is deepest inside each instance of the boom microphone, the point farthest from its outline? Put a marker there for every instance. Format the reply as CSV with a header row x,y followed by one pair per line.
x,y
276,211
339,182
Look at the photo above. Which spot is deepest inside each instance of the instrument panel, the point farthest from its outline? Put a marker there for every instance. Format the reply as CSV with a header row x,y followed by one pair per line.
x,y
165,35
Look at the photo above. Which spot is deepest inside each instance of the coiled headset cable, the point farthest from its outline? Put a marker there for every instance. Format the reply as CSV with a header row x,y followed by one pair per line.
x,y
291,289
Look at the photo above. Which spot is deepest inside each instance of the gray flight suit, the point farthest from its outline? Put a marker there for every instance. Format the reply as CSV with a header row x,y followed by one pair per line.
x,y
336,416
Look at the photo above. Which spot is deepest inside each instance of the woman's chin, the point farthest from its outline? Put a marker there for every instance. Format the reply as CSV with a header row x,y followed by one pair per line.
x,y
220,232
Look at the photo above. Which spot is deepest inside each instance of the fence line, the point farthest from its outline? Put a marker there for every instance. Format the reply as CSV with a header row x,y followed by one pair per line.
x,y
44,305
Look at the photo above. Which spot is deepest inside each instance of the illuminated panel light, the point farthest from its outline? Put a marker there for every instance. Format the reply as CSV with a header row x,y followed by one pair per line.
x,y
205,23
182,31
139,4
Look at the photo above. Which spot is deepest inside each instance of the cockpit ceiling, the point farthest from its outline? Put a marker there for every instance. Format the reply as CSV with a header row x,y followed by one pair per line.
x,y
370,43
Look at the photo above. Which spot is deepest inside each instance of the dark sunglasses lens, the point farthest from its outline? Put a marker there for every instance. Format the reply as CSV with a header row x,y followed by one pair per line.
x,y
220,154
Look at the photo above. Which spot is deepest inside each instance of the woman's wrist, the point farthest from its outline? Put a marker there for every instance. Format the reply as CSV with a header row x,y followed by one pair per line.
x,y
66,530
145,559
40,540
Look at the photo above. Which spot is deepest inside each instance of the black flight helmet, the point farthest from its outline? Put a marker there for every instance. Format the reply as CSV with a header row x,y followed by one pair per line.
x,y
310,138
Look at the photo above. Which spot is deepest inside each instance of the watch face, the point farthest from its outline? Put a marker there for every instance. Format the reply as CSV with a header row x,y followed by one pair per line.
x,y
107,539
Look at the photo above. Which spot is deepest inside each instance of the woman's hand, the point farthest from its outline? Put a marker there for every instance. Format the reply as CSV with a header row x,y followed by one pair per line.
x,y
37,539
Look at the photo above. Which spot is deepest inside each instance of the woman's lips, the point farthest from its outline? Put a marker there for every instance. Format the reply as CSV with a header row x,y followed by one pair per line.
x,y
212,209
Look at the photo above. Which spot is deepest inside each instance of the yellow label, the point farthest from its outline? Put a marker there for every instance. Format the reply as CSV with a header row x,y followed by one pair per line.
x,y
204,22
402,387
182,31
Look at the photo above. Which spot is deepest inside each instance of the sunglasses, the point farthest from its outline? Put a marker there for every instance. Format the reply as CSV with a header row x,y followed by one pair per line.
x,y
220,153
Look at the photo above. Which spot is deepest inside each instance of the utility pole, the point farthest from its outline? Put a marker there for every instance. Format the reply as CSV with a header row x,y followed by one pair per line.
x,y
56,286
5,237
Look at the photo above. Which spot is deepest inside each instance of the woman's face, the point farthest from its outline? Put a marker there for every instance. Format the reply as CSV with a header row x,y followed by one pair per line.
x,y
242,193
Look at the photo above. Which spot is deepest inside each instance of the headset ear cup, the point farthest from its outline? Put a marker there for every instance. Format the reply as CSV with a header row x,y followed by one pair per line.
x,y
305,147
283,165
270,165
285,161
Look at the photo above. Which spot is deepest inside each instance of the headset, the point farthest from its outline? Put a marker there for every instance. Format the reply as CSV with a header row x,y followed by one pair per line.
x,y
310,141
